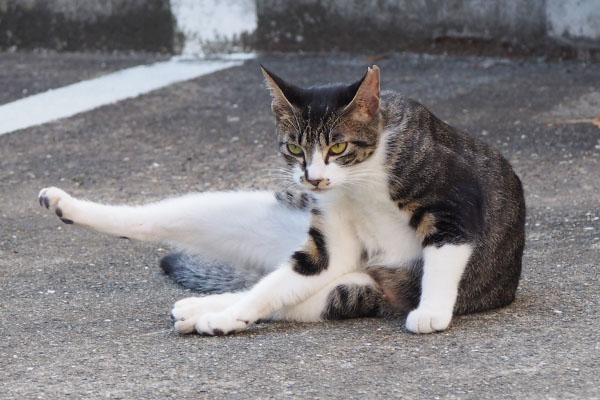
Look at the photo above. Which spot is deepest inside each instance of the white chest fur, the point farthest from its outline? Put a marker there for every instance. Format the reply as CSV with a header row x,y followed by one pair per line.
x,y
381,228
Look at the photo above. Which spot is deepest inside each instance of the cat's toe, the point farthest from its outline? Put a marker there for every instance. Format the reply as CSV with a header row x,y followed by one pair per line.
x,y
186,313
57,201
185,326
221,323
184,319
427,321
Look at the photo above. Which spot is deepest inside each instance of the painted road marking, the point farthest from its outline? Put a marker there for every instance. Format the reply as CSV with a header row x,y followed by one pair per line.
x,y
111,88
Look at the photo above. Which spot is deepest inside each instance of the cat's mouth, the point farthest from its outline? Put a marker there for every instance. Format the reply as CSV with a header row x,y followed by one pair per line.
x,y
315,189
319,189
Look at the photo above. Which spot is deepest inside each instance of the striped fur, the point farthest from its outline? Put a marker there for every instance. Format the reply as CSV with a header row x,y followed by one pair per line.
x,y
354,301
302,201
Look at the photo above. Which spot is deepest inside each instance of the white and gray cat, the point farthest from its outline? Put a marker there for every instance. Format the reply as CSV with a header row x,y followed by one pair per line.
x,y
396,213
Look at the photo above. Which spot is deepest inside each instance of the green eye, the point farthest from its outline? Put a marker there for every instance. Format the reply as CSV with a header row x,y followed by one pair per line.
x,y
295,150
338,148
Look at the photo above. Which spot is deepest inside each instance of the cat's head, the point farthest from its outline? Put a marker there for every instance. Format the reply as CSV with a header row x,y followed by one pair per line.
x,y
326,132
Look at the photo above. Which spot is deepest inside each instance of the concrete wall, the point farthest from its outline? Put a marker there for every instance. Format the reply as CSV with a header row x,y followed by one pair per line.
x,y
529,27
146,25
517,26
574,22
385,24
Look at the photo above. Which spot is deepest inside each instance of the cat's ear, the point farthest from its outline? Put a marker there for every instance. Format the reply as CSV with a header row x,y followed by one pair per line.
x,y
365,104
281,92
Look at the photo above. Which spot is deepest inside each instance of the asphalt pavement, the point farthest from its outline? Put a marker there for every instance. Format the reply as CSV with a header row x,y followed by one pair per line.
x,y
84,315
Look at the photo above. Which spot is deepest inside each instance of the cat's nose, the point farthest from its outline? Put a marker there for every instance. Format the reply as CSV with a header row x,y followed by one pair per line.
x,y
314,182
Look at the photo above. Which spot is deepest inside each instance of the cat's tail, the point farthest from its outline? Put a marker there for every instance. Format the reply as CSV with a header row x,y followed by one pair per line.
x,y
401,287
205,276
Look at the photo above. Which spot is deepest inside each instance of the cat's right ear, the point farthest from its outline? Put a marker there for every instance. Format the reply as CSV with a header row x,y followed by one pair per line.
x,y
366,100
280,103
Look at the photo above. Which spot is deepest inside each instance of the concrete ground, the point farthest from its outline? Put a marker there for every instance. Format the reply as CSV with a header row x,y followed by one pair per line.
x,y
87,316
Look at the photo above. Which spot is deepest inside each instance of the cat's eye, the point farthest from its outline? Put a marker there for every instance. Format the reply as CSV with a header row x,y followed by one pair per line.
x,y
295,150
338,148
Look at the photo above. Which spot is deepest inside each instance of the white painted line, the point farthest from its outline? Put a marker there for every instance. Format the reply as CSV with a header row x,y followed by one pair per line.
x,y
87,95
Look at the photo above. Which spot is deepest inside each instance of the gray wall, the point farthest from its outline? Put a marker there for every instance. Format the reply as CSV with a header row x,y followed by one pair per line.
x,y
518,26
529,27
146,25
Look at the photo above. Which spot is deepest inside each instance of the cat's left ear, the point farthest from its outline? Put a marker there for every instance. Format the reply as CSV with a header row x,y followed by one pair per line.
x,y
365,104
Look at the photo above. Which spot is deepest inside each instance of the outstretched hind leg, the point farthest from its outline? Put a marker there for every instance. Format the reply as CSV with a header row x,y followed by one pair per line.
x,y
256,229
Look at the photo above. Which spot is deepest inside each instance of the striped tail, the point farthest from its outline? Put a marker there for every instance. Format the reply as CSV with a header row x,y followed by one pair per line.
x,y
206,276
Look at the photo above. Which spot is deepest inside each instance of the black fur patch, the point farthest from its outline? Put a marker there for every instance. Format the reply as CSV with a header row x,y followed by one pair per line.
x,y
458,218
305,264
362,144
317,103
319,241
312,263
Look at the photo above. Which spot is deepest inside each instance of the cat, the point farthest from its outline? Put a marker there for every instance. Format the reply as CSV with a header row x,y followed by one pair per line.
x,y
396,213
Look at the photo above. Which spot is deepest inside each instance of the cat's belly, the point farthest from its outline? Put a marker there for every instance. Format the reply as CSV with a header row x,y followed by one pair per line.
x,y
385,234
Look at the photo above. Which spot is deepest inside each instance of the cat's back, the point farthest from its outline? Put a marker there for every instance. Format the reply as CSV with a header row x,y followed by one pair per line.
x,y
417,139
410,121
430,160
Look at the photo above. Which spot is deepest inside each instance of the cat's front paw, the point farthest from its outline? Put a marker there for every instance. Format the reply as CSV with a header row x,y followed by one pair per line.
x,y
187,312
221,323
423,320
59,202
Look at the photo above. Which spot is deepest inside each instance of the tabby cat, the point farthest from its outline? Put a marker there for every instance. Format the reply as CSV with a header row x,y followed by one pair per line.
x,y
396,213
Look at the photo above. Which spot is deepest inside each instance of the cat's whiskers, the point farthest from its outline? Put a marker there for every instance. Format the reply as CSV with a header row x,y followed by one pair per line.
x,y
280,169
279,173
282,178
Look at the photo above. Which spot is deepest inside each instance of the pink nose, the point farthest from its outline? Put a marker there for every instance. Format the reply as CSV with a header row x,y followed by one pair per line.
x,y
314,182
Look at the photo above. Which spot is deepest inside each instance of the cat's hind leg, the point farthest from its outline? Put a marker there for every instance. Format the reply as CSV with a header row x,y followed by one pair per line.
x,y
353,295
256,229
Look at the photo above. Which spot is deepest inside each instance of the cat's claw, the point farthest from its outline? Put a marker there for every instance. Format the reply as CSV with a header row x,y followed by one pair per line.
x,y
59,202
427,321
